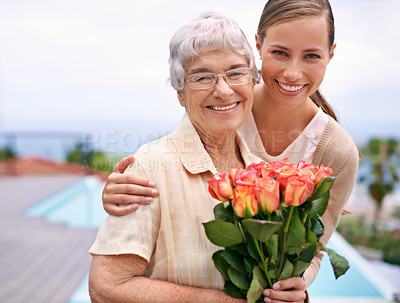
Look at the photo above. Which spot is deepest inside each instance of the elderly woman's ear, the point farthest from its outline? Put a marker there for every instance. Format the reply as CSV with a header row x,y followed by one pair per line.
x,y
182,98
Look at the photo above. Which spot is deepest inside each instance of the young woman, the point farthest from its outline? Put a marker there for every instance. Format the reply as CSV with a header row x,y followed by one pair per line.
x,y
289,119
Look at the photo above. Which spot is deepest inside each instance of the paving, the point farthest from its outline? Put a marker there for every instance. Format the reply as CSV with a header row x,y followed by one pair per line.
x,y
40,261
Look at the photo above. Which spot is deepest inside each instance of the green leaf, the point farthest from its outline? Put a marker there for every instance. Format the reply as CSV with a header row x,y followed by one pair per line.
x,y
297,232
339,263
308,254
234,259
249,265
223,233
272,273
221,263
251,247
286,271
311,237
238,278
319,206
261,230
240,248
257,286
223,213
294,250
299,268
322,188
317,226
233,291
272,245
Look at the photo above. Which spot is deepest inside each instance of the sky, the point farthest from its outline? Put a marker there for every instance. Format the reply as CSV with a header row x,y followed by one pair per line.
x,y
101,66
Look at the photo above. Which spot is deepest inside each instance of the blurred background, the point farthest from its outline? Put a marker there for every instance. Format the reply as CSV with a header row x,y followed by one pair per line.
x,y
84,83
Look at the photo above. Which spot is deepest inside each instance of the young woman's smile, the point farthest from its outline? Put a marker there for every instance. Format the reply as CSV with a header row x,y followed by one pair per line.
x,y
295,56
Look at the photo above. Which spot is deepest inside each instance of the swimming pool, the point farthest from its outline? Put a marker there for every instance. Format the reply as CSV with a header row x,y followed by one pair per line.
x,y
79,206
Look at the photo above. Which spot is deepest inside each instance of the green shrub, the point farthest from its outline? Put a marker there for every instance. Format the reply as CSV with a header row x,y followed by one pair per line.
x,y
7,153
357,232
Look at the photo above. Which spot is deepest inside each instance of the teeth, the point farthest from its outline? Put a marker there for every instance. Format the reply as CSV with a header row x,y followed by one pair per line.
x,y
290,88
223,107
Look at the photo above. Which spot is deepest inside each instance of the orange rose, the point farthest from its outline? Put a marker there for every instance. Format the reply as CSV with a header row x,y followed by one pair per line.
x,y
245,201
267,190
298,189
220,187
322,172
246,177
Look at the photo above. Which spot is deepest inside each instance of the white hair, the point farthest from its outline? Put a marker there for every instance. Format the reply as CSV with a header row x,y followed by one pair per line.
x,y
209,31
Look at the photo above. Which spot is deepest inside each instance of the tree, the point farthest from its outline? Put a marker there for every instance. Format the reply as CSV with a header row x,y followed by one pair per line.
x,y
90,158
6,153
381,158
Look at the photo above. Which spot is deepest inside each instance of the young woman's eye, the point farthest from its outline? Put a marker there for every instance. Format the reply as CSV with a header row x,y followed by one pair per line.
x,y
313,56
279,53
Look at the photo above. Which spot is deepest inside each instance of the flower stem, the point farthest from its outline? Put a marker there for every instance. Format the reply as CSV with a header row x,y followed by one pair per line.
x,y
285,231
265,265
304,219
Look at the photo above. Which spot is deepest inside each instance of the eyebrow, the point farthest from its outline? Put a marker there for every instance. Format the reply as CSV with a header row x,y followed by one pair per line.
x,y
304,51
207,70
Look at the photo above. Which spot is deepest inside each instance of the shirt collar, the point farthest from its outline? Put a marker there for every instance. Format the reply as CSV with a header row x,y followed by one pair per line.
x,y
192,153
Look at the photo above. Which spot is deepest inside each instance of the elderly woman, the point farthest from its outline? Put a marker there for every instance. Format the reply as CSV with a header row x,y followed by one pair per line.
x,y
160,253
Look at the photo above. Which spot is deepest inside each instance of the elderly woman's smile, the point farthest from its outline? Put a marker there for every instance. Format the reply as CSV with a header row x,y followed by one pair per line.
x,y
218,94
223,108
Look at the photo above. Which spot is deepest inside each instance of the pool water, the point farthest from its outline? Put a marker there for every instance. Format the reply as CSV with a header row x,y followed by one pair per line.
x,y
79,206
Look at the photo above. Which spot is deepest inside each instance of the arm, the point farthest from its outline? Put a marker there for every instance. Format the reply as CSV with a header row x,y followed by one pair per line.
x,y
123,193
340,154
119,278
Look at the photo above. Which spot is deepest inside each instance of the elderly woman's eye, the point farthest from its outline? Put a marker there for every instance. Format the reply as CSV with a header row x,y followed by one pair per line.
x,y
234,74
202,78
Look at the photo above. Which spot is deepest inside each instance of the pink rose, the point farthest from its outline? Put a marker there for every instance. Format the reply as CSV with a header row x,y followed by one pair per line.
x,y
267,190
220,187
246,177
322,172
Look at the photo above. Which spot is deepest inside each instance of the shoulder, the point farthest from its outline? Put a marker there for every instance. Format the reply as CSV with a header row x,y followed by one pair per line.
x,y
337,149
154,157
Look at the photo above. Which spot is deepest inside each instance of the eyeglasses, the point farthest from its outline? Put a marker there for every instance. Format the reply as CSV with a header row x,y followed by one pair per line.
x,y
237,76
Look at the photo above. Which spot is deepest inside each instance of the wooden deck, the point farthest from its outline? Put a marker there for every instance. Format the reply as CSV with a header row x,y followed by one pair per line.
x,y
39,261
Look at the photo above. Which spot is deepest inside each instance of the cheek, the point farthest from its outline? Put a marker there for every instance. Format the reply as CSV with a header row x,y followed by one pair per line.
x,y
317,73
270,67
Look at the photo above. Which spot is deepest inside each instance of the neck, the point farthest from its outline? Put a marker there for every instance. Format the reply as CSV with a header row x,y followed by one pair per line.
x,y
282,125
223,151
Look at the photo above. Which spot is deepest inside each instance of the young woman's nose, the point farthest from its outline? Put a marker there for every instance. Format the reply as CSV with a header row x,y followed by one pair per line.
x,y
292,71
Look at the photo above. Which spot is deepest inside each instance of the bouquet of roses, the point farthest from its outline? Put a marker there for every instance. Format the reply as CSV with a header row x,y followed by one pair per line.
x,y
269,223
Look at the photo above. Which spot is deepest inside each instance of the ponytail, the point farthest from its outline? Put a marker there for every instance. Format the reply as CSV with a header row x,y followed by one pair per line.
x,y
320,101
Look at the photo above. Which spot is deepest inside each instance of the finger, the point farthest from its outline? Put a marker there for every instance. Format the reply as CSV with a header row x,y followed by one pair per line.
x,y
123,164
276,296
130,178
130,190
295,283
117,210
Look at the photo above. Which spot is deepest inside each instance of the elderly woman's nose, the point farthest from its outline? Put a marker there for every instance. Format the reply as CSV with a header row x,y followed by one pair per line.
x,y
222,88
